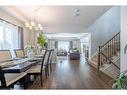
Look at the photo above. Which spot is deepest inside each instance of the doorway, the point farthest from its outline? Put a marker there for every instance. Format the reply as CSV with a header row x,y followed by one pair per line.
x,y
85,45
63,48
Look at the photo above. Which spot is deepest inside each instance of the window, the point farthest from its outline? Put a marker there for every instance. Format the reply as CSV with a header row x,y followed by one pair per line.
x,y
8,36
64,45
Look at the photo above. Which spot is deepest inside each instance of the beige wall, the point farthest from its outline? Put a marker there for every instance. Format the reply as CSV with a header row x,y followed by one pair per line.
x,y
26,37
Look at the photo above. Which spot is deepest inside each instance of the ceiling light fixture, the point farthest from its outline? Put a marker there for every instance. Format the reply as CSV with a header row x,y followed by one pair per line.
x,y
32,25
76,12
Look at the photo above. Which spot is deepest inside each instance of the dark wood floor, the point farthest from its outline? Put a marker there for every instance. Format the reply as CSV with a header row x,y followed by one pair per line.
x,y
74,74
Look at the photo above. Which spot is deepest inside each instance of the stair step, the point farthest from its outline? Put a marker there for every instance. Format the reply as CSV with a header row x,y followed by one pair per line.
x,y
105,66
113,47
92,63
110,70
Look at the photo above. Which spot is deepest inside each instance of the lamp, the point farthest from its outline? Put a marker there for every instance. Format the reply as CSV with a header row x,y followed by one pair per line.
x,y
32,25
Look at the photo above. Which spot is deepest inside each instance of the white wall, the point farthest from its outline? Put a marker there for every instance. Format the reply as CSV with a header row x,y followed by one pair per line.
x,y
76,44
6,16
84,39
123,38
104,28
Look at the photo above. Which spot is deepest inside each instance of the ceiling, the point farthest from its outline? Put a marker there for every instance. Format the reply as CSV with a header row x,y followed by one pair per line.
x,y
62,15
59,19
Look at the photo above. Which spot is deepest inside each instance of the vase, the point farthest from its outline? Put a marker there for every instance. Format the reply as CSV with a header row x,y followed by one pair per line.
x,y
30,54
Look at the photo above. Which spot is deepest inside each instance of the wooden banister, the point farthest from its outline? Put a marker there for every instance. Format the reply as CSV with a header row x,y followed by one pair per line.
x,y
110,39
110,60
99,57
108,50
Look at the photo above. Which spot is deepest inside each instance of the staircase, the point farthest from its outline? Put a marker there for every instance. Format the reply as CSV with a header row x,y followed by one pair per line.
x,y
108,57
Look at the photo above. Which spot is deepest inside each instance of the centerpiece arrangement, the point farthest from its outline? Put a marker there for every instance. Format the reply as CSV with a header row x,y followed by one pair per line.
x,y
29,49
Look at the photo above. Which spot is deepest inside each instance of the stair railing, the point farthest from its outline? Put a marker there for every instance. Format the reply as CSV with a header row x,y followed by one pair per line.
x,y
108,50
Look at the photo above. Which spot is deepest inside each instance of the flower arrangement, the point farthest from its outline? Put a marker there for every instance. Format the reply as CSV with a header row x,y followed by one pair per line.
x,y
29,47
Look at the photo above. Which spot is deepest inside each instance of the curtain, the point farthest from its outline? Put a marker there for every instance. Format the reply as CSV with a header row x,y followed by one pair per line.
x,y
56,44
71,45
20,39
10,36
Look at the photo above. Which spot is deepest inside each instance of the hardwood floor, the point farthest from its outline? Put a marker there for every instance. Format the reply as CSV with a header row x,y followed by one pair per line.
x,y
74,74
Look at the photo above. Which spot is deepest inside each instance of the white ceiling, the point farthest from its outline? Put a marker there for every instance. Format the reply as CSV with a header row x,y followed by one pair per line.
x,y
63,15
59,19
59,15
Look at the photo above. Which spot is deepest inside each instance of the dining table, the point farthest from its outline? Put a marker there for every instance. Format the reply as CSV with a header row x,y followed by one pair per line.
x,y
20,65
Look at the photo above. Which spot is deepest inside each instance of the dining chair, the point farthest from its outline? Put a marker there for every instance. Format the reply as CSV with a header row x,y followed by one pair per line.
x,y
5,55
7,80
19,53
39,69
50,60
43,51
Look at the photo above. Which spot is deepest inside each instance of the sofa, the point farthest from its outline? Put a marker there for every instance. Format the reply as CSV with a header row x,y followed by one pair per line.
x,y
74,55
61,52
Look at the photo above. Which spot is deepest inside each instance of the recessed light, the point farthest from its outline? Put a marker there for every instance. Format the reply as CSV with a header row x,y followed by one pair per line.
x,y
76,14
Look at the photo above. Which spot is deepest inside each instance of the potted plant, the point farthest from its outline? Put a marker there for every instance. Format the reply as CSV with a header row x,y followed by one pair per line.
x,y
41,39
41,42
121,81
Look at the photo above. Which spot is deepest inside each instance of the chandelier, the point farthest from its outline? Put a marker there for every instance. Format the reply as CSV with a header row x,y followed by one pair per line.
x,y
33,25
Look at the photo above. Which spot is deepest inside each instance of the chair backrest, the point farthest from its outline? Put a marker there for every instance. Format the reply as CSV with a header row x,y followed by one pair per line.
x,y
19,53
5,55
2,79
51,55
45,60
43,51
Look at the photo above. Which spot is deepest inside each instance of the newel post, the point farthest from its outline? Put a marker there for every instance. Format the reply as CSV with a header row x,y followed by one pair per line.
x,y
99,56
